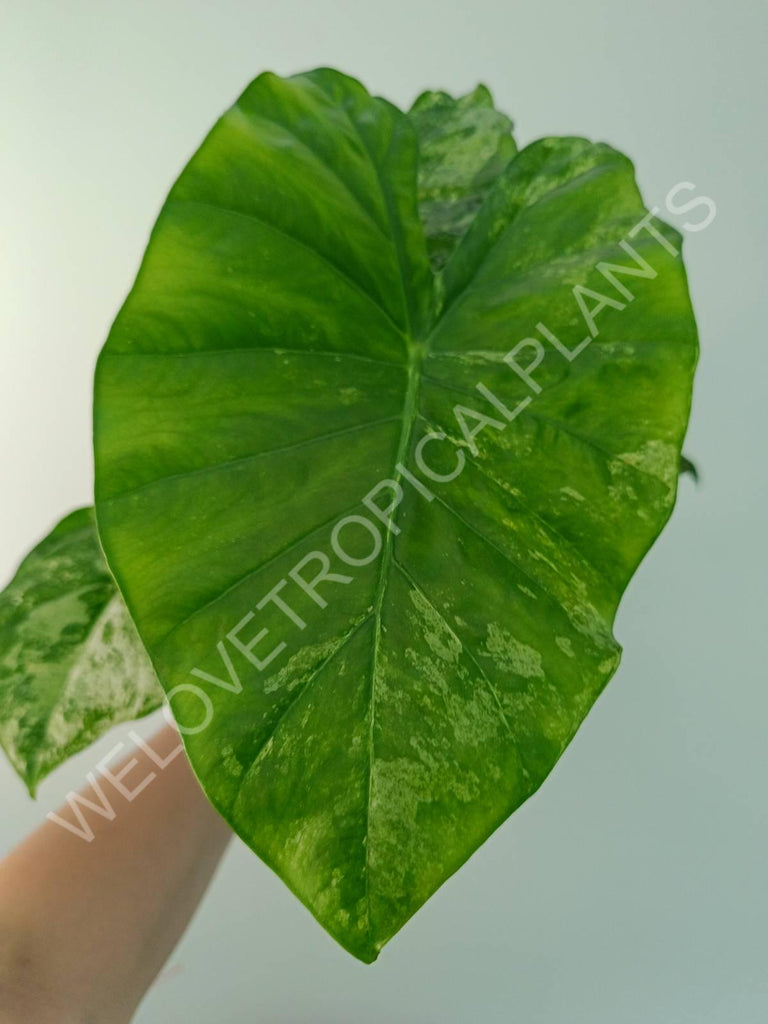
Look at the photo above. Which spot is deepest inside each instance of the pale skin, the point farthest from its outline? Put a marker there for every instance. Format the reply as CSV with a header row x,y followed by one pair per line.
x,y
85,927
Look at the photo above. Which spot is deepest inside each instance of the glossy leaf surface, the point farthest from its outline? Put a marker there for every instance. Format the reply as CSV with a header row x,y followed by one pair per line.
x,y
366,703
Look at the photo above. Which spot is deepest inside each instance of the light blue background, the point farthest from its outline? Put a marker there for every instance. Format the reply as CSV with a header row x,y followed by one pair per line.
x,y
632,889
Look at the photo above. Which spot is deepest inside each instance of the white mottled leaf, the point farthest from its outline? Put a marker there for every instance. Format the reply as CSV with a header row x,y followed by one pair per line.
x,y
71,662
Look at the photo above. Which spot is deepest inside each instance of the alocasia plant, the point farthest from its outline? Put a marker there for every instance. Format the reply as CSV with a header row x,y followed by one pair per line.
x,y
384,428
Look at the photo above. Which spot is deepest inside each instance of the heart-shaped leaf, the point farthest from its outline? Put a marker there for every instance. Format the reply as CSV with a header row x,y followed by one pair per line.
x,y
373,524
71,664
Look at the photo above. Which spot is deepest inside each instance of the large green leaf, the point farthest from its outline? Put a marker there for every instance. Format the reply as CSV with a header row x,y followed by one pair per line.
x,y
71,664
285,349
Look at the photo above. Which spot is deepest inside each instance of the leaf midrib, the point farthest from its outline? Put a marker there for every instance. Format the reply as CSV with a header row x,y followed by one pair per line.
x,y
410,410
416,353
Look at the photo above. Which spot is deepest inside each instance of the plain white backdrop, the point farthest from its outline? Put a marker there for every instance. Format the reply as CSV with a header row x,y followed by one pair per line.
x,y
632,888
